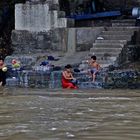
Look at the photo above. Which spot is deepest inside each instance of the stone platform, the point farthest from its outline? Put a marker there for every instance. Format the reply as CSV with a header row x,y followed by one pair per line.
x,y
52,79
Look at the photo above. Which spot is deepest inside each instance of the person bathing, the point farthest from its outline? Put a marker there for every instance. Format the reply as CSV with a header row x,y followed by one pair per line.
x,y
68,81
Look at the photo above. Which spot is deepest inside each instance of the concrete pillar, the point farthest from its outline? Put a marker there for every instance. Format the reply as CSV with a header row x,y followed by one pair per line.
x,y
71,47
32,17
38,17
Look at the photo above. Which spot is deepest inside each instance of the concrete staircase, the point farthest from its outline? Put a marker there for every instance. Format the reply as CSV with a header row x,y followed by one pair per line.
x,y
108,48
110,43
85,80
52,79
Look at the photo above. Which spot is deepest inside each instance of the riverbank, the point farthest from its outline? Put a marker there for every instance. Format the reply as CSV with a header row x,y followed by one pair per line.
x,y
106,79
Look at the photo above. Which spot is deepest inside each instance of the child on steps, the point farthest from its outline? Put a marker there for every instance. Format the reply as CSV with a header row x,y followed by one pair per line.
x,y
95,67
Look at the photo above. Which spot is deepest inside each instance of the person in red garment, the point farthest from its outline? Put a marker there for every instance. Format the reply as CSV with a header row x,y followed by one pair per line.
x,y
68,81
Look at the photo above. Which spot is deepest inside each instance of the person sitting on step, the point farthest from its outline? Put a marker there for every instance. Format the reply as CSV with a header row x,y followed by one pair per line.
x,y
68,81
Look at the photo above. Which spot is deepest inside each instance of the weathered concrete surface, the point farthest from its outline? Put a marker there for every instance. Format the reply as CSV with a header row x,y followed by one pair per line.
x,y
26,42
60,39
52,79
72,39
68,58
32,17
38,17
130,53
65,40
71,42
123,79
86,36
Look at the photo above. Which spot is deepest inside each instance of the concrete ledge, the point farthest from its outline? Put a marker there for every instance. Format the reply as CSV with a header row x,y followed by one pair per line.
x,y
127,79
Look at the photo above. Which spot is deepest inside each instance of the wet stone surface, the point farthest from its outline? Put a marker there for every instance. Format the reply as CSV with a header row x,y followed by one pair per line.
x,y
52,79
123,79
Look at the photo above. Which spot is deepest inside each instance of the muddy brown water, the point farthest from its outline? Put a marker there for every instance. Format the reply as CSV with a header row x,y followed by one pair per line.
x,y
39,114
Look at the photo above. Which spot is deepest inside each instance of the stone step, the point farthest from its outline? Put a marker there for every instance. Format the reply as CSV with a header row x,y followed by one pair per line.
x,y
105,50
103,57
87,85
123,24
117,32
122,29
116,37
107,45
111,41
114,79
106,61
12,82
124,21
106,58
87,74
103,54
104,65
101,62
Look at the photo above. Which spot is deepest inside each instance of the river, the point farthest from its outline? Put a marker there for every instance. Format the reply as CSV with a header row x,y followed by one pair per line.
x,y
39,114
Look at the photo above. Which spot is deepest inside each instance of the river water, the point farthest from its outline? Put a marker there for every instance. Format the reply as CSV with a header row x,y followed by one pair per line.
x,y
39,114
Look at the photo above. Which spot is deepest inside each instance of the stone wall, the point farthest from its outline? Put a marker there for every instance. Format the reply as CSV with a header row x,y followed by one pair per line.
x,y
124,79
59,39
85,37
130,53
26,42
39,27
38,17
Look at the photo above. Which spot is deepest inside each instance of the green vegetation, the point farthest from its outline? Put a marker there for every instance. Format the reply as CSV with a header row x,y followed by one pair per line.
x,y
7,25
